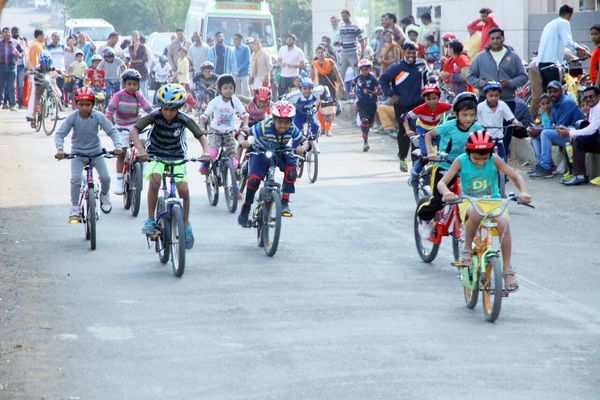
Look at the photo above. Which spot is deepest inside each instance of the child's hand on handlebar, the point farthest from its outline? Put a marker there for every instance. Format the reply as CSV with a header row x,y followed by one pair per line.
x,y
143,156
525,197
449,197
60,154
117,152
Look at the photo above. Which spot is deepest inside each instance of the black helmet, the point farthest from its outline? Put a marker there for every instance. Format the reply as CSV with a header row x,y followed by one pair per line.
x,y
408,45
225,79
464,98
131,75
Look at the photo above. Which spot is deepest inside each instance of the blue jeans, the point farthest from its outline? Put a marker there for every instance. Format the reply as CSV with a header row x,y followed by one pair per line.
x,y
500,149
8,78
144,87
548,138
112,87
20,83
536,144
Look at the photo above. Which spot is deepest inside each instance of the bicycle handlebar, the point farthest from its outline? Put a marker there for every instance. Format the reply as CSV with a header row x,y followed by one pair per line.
x,y
106,154
512,197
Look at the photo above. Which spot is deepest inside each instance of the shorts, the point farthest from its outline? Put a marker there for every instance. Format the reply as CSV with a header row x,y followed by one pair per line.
x,y
124,135
486,205
155,167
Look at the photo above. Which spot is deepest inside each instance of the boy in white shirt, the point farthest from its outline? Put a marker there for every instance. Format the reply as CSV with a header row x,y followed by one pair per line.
x,y
223,112
492,113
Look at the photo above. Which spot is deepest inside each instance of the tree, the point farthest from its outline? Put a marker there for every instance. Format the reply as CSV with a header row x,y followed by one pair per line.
x,y
144,15
293,16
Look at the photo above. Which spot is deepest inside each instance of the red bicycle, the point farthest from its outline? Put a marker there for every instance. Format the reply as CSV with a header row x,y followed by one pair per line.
x,y
429,234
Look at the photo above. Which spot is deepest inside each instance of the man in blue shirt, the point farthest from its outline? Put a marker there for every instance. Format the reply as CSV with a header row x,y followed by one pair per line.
x,y
242,57
565,113
222,56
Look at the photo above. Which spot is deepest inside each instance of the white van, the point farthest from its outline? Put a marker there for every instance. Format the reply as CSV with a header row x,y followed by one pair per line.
x,y
96,28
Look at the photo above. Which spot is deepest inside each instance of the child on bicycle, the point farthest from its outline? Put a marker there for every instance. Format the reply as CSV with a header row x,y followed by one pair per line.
x,y
453,137
39,79
77,73
492,113
279,135
84,123
306,102
124,110
260,106
366,87
478,171
95,77
428,115
166,141
223,112
205,83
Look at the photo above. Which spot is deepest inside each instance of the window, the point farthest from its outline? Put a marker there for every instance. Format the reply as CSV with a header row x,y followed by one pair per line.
x,y
424,10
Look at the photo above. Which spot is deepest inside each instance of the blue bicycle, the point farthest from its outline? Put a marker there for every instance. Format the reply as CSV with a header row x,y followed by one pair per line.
x,y
169,237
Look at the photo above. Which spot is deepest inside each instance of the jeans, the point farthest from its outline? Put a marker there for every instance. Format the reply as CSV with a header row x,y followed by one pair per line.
x,y
8,77
536,145
548,138
402,138
285,84
77,173
581,146
349,60
20,84
112,87
242,85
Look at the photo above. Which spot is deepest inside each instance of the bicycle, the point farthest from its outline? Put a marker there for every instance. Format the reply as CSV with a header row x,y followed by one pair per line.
x,y
169,237
311,158
222,174
266,215
421,184
445,223
88,195
49,108
133,180
485,274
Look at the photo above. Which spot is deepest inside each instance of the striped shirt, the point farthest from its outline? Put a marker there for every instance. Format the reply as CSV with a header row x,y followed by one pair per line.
x,y
350,35
167,139
125,108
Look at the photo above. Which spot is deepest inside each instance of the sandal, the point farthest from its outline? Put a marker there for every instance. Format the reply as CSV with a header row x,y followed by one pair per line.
x,y
510,288
466,259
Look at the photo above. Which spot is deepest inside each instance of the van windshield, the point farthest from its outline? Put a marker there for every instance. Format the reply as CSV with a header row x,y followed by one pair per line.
x,y
255,27
97,33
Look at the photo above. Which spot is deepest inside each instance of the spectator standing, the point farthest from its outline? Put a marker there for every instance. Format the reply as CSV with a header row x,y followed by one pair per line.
x,y
222,56
21,47
9,55
351,38
388,21
87,46
456,68
173,49
403,82
555,38
427,28
112,42
335,29
139,60
291,59
242,72
260,66
391,52
485,23
198,52
36,47
595,59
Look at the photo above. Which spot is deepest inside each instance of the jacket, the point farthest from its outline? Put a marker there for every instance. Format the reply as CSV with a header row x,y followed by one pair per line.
x,y
484,68
230,59
405,81
565,112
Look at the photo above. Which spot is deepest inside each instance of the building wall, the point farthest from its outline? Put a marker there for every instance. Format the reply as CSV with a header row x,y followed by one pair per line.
x,y
322,11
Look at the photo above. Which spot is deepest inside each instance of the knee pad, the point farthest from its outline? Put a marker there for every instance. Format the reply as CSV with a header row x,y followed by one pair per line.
x,y
253,182
290,174
365,123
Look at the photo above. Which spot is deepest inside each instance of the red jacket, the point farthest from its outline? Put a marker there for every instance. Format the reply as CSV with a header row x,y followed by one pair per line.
x,y
485,28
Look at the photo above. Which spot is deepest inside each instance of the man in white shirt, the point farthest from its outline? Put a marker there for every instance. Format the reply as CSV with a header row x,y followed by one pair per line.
x,y
291,60
586,139
198,52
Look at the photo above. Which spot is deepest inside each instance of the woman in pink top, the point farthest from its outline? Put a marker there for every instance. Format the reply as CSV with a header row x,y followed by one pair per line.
x,y
124,110
484,24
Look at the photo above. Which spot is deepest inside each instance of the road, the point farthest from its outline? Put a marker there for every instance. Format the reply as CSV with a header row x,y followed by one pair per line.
x,y
345,310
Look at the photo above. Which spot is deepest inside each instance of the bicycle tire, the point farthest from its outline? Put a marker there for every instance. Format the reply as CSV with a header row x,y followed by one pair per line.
x,y
471,295
40,115
126,190
162,245
50,111
212,188
243,176
231,193
138,185
270,236
177,241
313,166
300,168
426,256
492,296
502,184
91,217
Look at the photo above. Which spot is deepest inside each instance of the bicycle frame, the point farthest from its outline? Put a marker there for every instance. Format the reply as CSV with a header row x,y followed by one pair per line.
x,y
169,195
450,219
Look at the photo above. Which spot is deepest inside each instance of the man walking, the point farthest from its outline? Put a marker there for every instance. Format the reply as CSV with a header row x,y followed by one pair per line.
x,y
350,38
36,47
8,70
242,58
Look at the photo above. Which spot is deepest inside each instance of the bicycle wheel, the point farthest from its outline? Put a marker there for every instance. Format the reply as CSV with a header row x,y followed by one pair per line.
x,y
271,224
421,188
50,115
457,240
40,116
243,176
136,186
300,168
426,248
502,184
470,274
164,227
230,187
492,288
91,217
127,190
212,187
177,241
312,167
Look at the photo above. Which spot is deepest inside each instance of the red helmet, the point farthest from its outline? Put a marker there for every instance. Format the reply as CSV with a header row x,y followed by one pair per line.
x,y
85,94
364,63
283,109
449,36
480,141
431,88
263,94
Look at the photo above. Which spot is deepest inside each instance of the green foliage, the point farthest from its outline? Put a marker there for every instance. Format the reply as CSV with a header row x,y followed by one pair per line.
x,y
293,16
144,15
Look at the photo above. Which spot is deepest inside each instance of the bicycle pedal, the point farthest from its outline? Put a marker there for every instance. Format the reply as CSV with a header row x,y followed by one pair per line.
x,y
458,264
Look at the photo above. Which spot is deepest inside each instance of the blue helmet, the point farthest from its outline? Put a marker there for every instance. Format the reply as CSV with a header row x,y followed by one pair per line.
x,y
171,96
45,60
306,83
492,85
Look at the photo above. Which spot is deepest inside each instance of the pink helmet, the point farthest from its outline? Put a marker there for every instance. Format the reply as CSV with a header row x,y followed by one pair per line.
x,y
263,94
84,94
449,36
364,63
283,109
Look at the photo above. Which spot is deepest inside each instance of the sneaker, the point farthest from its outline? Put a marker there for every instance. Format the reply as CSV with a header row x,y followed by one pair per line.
x,y
366,147
243,219
105,205
285,209
576,180
74,215
541,173
149,227
119,187
189,237
403,166
12,108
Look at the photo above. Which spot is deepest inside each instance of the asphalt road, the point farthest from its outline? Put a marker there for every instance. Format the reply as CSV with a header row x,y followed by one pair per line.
x,y
345,310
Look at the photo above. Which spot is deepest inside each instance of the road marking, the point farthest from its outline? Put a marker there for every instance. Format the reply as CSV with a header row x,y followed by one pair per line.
x,y
111,333
68,336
